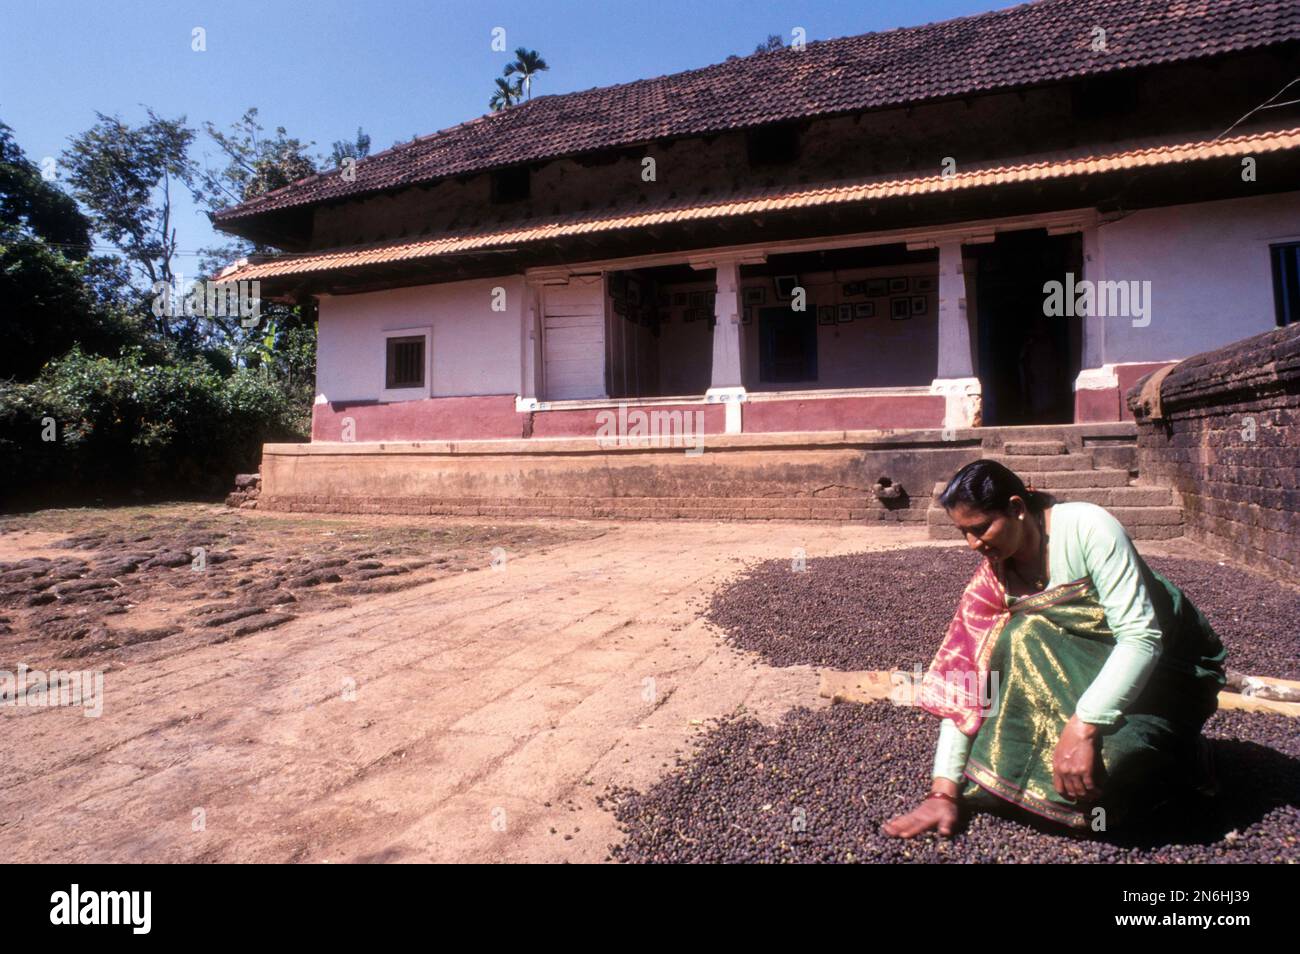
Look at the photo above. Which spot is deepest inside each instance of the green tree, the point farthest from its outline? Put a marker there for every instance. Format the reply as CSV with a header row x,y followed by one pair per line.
x,y
33,207
527,64
506,94
124,176
56,294
282,346
254,163
357,148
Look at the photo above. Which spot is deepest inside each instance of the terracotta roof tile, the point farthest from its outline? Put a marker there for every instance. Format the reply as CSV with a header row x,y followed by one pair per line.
x,y
1041,42
772,200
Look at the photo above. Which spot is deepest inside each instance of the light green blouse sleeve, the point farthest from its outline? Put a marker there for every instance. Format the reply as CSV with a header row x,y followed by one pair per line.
x,y
1111,560
950,755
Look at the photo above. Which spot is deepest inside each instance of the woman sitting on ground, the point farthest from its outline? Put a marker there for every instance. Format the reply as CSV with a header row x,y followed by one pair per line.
x,y
1074,680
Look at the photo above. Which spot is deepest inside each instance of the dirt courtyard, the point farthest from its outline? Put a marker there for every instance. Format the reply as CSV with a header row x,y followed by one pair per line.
x,y
473,713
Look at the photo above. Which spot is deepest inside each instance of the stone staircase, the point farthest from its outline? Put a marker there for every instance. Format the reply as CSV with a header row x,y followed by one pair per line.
x,y
1104,475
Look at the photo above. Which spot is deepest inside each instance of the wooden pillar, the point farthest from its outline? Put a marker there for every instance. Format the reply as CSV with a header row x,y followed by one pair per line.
x,y
726,328
955,379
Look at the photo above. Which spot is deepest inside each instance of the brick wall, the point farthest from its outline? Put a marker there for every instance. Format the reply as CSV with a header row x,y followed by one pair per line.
x,y
1228,442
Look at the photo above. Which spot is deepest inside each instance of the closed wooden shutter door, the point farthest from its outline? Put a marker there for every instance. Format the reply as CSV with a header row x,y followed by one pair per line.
x,y
574,338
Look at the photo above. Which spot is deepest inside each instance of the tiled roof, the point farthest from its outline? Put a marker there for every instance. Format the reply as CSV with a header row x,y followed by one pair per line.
x,y
1034,43
752,202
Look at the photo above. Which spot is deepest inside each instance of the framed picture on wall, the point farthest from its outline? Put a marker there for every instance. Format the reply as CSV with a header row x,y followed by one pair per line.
x,y
785,286
900,308
875,287
756,295
918,304
681,299
747,315
826,315
864,309
853,289
846,313
897,286
697,299
924,283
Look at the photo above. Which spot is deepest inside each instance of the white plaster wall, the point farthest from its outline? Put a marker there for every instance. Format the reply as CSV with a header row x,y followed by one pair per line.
x,y
1210,272
475,350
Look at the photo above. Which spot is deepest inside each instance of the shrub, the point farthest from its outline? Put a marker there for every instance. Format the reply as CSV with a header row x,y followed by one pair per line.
x,y
122,425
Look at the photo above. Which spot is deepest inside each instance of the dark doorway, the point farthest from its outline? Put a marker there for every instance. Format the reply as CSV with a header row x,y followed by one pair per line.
x,y
1027,361
787,346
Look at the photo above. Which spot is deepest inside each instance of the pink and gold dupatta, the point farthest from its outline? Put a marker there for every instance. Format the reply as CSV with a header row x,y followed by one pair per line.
x,y
951,687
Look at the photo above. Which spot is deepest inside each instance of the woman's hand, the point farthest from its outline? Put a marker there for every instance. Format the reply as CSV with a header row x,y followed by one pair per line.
x,y
933,813
1076,760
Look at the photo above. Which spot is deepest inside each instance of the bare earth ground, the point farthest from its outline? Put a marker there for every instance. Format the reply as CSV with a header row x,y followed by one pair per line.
x,y
472,716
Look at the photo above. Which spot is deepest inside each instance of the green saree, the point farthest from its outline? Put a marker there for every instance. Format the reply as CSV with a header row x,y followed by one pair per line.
x,y
1035,658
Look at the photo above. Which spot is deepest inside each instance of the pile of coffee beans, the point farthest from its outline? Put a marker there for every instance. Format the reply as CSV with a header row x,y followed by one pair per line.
x,y
1257,618
817,787
891,609
886,610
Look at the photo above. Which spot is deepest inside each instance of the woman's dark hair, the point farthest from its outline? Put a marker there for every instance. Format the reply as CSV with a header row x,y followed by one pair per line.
x,y
989,486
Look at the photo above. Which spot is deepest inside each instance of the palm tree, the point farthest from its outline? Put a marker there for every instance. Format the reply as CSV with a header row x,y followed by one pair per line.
x,y
506,95
526,64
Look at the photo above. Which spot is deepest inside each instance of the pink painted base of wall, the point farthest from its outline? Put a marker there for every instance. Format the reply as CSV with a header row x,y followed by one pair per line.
x,y
1107,404
494,417
444,418
586,422
843,414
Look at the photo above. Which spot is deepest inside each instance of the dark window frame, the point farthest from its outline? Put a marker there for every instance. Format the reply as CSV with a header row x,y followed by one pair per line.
x,y
1285,259
790,368
511,185
778,144
394,366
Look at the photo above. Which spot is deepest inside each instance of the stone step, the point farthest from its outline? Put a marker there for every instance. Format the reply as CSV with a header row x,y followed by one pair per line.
x,y
1034,448
1078,460
1141,523
1135,514
1137,532
1111,497
1124,457
1061,480
1074,479
1117,496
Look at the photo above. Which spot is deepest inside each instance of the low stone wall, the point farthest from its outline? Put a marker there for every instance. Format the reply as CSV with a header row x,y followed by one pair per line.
x,y
829,475
1226,438
738,477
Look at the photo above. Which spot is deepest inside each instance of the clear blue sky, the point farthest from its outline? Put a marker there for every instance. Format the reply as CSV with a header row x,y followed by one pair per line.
x,y
397,69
